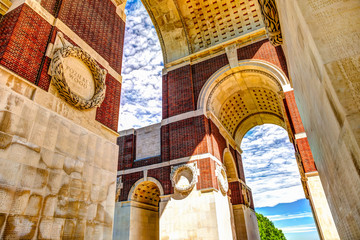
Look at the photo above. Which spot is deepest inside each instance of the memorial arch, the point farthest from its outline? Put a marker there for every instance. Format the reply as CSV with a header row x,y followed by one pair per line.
x,y
59,145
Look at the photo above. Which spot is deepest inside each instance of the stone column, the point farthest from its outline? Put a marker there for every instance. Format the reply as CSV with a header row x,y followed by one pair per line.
x,y
321,210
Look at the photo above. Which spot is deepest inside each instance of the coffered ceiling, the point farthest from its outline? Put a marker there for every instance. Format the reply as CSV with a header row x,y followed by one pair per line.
x,y
191,26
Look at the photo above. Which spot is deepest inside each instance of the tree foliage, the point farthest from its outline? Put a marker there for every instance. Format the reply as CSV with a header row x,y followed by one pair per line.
x,y
267,229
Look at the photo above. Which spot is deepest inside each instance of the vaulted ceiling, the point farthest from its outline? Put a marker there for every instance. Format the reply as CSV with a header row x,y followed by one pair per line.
x,y
191,26
244,97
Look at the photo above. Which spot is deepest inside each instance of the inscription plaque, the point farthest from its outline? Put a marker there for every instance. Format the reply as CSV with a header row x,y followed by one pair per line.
x,y
78,78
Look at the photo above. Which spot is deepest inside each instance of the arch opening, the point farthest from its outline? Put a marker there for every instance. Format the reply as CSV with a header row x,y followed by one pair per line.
x,y
271,171
245,96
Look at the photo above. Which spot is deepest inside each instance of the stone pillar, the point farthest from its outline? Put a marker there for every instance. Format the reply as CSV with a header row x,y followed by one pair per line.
x,y
309,174
246,224
321,210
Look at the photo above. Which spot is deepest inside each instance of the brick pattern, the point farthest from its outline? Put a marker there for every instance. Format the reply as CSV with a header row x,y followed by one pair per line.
x,y
50,6
207,174
235,193
27,44
307,158
128,181
236,197
163,176
184,138
202,71
165,97
218,142
295,119
108,112
263,50
301,145
179,92
7,27
98,24
127,151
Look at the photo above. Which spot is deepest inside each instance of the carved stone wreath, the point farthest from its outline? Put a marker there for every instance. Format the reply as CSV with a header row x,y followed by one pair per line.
x,y
57,71
179,171
222,179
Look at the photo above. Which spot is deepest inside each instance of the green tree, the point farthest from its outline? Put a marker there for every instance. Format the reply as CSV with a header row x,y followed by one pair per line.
x,y
267,229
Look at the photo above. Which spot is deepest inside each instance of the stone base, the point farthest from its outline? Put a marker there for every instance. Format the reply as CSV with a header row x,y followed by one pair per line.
x,y
200,215
136,221
246,224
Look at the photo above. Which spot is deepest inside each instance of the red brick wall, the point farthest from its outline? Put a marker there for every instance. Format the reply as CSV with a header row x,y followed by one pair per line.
x,y
236,196
98,24
301,145
235,193
50,5
27,44
127,151
263,50
108,112
7,27
165,97
202,71
294,118
207,177
218,142
238,159
128,181
180,93
163,176
184,138
306,155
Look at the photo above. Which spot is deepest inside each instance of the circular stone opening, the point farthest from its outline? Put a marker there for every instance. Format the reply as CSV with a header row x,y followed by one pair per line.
x,y
184,178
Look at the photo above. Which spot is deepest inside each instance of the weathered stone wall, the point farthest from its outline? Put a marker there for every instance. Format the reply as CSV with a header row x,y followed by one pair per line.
x,y
57,176
321,44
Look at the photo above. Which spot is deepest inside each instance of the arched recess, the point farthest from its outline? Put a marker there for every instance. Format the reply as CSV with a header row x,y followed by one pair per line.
x,y
145,182
144,199
243,97
230,165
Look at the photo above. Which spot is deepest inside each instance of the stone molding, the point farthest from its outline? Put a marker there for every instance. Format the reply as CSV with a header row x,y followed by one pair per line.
x,y
170,163
271,20
58,78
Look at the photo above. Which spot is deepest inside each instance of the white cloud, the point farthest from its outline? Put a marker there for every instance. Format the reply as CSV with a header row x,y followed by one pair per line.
x,y
290,216
299,229
270,167
142,67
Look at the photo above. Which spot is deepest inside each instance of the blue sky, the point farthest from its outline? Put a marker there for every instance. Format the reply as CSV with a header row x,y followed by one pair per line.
x,y
268,156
